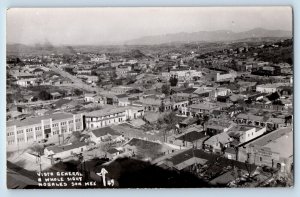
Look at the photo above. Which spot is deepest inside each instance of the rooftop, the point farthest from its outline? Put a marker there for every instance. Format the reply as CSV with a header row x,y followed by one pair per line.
x,y
192,136
272,137
37,120
66,147
203,106
106,111
104,131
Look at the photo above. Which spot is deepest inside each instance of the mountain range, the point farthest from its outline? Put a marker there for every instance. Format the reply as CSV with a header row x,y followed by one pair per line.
x,y
209,36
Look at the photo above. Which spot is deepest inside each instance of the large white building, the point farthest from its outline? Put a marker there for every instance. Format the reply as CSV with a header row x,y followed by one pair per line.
x,y
29,130
182,75
221,77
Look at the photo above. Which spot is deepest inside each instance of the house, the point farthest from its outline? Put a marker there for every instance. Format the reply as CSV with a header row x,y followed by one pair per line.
x,y
123,100
66,150
245,133
94,98
187,121
246,86
201,109
56,95
251,119
218,125
191,138
121,89
105,134
27,82
218,143
276,123
185,159
112,153
266,88
38,71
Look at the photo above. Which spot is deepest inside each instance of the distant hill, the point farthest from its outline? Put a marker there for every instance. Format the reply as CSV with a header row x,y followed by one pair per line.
x,y
137,54
209,36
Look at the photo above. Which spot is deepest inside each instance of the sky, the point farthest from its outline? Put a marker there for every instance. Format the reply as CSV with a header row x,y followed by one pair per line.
x,y
93,26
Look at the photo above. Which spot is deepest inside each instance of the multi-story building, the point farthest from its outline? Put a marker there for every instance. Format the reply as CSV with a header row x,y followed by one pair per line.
x,y
112,116
182,75
29,130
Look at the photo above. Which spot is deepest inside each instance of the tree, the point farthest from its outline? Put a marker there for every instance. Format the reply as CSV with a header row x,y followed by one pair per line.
x,y
78,92
173,81
38,149
162,106
9,98
70,70
274,96
165,88
44,95
204,120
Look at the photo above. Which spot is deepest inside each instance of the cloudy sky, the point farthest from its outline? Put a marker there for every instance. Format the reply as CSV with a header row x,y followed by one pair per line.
x,y
78,26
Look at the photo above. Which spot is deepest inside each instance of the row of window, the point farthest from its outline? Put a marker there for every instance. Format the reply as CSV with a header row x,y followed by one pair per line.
x,y
105,123
104,117
78,120
10,134
28,130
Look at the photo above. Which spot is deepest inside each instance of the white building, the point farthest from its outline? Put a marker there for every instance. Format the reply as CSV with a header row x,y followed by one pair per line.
x,y
220,77
245,133
27,82
105,134
112,116
65,150
267,88
29,130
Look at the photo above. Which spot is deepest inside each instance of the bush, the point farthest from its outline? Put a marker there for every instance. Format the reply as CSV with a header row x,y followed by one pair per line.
x,y
44,95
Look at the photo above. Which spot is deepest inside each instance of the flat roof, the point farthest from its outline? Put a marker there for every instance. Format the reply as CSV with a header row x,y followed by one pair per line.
x,y
37,120
203,106
264,140
106,111
279,141
104,131
66,147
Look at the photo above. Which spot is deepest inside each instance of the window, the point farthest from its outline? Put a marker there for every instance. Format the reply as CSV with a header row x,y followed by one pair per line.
x,y
71,121
38,128
260,158
20,132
